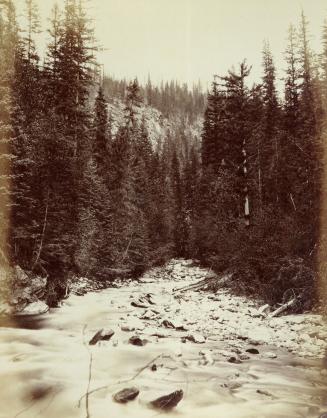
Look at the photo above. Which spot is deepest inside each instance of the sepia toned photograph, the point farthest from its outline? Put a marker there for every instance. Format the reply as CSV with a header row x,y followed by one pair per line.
x,y
163,208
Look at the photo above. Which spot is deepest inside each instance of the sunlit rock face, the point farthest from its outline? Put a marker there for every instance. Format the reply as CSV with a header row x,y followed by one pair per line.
x,y
22,293
157,125
277,368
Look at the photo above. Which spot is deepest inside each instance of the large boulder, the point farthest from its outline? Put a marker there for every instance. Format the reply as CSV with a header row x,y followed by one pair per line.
x,y
168,402
26,289
126,395
19,290
101,335
34,308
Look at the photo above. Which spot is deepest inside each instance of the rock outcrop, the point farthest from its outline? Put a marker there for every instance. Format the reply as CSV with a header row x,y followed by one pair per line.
x,y
22,293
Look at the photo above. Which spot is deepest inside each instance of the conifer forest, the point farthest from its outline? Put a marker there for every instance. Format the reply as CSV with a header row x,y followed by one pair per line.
x,y
107,179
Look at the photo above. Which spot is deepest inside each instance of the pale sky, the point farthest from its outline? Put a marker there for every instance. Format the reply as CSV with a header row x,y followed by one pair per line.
x,y
190,40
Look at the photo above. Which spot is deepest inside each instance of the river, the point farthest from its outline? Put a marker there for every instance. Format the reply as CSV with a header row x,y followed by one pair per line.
x,y
47,365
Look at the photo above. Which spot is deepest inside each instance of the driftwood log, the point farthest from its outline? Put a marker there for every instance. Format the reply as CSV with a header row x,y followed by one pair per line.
x,y
283,308
211,283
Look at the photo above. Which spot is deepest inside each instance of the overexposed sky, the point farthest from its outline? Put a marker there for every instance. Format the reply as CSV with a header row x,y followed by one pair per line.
x,y
190,40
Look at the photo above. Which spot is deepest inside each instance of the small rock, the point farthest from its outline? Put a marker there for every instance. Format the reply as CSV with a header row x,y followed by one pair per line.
x,y
270,355
148,298
244,357
255,342
264,392
154,332
195,338
252,351
167,324
135,340
173,325
132,325
101,335
126,395
149,315
154,367
127,328
231,385
234,360
242,337
207,357
169,401
139,304
178,352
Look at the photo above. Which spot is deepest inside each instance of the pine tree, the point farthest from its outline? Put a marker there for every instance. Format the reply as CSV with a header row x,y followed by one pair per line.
x,y
270,146
324,63
68,68
33,27
309,173
214,129
191,177
128,187
26,191
101,141
8,45
291,116
237,134
179,228
51,62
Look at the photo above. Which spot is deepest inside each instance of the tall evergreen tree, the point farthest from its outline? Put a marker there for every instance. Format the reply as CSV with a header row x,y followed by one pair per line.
x,y
270,146
8,45
308,191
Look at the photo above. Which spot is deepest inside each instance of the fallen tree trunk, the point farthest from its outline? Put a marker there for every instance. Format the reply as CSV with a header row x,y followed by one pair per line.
x,y
212,283
283,308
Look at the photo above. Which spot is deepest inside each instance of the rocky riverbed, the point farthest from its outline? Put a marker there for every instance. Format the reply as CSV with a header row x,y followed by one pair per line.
x,y
222,355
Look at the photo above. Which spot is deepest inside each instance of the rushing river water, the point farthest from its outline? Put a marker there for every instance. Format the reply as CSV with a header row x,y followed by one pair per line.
x,y
47,365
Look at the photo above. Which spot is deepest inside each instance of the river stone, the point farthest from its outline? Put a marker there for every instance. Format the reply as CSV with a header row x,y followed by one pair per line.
x,y
101,335
177,325
135,340
255,342
149,314
252,351
140,303
232,385
195,338
264,392
126,395
234,360
269,354
35,308
127,327
25,289
244,357
168,402
132,325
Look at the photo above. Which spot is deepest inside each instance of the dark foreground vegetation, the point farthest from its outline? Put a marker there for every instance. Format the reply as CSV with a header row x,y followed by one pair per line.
x,y
79,198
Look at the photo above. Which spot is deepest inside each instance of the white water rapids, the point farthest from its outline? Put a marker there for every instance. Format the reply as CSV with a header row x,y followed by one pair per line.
x,y
46,371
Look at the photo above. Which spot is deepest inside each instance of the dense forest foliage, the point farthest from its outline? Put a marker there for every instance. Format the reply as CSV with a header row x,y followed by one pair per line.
x,y
172,99
78,199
